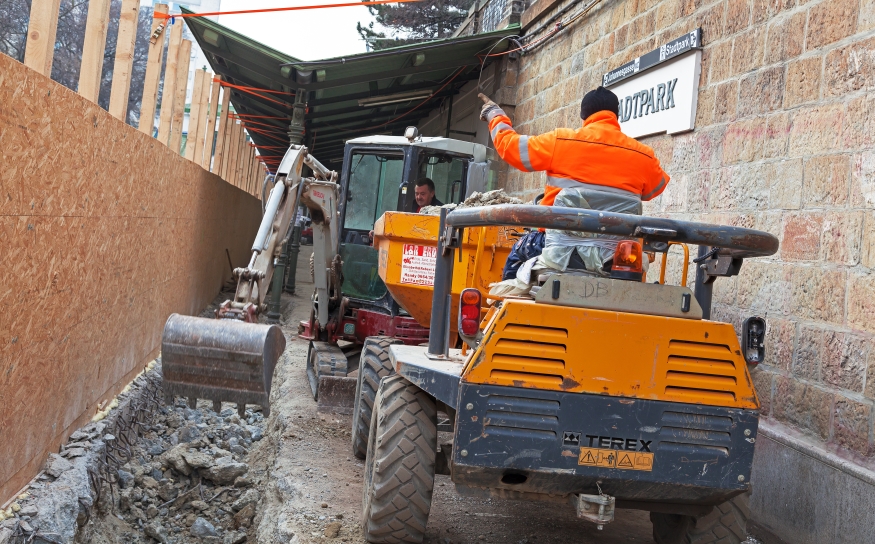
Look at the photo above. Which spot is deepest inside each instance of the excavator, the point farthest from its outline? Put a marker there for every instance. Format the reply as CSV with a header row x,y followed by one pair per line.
x,y
231,358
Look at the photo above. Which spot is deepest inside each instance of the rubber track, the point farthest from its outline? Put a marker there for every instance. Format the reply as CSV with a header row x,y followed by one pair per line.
x,y
374,366
402,449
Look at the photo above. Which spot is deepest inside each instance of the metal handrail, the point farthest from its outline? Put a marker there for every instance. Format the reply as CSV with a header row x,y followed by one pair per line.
x,y
736,241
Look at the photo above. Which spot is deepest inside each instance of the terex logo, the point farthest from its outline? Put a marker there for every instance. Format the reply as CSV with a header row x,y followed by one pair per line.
x,y
615,443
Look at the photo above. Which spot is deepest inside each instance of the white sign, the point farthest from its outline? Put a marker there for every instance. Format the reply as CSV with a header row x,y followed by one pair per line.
x,y
417,264
662,99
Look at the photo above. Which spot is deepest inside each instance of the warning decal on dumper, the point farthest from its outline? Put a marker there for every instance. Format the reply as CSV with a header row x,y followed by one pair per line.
x,y
605,458
417,264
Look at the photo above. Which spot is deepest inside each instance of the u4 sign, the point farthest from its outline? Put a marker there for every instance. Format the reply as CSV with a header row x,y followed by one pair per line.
x,y
658,91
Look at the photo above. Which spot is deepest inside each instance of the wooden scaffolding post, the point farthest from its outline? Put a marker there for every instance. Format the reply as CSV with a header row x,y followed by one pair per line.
x,y
194,114
153,72
169,91
204,148
230,147
247,172
221,135
235,153
42,29
92,49
124,59
175,142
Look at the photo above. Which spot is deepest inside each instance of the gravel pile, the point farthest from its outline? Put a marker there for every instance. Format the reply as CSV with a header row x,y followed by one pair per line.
x,y
489,198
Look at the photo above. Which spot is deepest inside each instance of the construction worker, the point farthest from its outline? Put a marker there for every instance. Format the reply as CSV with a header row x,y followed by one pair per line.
x,y
595,166
423,193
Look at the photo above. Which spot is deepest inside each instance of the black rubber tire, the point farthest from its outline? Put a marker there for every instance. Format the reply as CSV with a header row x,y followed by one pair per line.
x,y
399,471
374,365
726,524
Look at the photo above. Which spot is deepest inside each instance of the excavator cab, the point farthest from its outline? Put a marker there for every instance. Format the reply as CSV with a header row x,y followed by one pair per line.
x,y
378,176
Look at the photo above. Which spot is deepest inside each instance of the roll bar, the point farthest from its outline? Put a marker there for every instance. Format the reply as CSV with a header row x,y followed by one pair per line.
x,y
721,248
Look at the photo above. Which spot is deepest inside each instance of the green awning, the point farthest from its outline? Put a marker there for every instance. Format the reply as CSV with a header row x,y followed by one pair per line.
x,y
347,97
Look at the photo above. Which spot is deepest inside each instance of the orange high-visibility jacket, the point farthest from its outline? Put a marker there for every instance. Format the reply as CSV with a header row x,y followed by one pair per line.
x,y
596,154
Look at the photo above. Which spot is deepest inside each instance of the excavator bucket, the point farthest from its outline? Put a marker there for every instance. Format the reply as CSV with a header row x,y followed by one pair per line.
x,y
222,360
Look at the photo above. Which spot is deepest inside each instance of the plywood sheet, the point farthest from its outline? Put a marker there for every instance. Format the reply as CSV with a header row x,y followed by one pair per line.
x,y
107,232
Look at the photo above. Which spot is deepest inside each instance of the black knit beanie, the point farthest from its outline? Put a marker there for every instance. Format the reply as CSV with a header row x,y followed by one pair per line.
x,y
597,100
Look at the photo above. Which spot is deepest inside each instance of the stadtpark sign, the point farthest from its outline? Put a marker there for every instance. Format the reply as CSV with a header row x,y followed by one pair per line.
x,y
658,90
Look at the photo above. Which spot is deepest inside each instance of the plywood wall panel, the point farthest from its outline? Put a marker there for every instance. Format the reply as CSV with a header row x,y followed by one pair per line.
x,y
107,232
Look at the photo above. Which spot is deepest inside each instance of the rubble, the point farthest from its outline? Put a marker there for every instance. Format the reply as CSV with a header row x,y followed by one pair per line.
x,y
489,198
186,479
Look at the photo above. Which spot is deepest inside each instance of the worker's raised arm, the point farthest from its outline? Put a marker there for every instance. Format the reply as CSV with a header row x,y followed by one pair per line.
x,y
526,153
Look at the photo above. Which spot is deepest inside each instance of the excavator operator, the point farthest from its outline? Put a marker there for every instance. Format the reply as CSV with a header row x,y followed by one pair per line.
x,y
595,166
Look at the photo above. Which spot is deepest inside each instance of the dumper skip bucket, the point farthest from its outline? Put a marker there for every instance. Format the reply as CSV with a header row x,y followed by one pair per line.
x,y
221,360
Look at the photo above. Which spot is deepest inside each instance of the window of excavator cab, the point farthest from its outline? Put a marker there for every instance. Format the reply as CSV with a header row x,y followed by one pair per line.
x,y
448,174
374,179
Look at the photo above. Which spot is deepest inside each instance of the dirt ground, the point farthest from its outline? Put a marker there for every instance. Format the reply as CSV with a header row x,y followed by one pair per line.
x,y
312,484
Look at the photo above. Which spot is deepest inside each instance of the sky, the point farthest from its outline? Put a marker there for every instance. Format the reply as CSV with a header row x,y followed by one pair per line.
x,y
307,34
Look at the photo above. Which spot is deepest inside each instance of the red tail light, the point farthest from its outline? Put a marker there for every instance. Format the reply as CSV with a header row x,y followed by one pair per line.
x,y
469,312
628,261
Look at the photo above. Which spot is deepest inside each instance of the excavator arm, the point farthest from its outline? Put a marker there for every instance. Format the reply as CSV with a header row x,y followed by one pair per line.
x,y
232,358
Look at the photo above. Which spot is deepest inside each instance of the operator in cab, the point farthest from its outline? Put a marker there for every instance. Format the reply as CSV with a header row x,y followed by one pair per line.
x,y
595,167
423,193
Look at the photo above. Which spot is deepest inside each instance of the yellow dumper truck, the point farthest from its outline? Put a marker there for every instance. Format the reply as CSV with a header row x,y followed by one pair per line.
x,y
598,392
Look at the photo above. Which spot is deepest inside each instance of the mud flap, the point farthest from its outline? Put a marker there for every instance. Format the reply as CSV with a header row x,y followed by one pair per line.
x,y
220,359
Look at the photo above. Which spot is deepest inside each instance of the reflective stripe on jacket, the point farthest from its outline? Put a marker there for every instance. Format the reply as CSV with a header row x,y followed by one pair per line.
x,y
598,153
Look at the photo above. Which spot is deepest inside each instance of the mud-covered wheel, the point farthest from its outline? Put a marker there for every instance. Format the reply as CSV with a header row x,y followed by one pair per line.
x,y
726,524
374,364
399,471
323,359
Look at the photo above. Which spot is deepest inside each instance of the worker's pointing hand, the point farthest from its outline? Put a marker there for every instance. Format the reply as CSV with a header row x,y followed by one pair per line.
x,y
488,105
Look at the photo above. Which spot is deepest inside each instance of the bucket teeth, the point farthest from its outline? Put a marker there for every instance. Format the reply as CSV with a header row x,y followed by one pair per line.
x,y
220,360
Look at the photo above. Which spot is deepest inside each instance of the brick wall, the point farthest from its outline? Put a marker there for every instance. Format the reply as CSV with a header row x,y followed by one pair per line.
x,y
784,143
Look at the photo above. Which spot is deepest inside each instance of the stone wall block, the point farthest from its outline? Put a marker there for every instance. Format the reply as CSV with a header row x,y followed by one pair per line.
x,y
863,180
698,191
712,22
747,50
764,287
785,38
866,19
867,249
742,141
802,405
844,360
780,343
762,383
869,387
850,68
842,237
720,61
738,13
861,300
819,294
726,101
709,147
761,92
806,358
827,181
785,184
859,126
684,158
705,106
803,81
851,423
816,130
830,21
667,13
777,135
